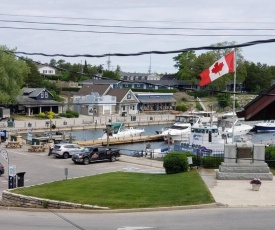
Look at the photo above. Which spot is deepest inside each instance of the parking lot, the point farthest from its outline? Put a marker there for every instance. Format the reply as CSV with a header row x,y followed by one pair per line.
x,y
41,168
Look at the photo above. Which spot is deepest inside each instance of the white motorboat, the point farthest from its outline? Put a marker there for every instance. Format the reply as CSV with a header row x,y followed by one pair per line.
x,y
181,129
230,126
265,126
208,139
118,130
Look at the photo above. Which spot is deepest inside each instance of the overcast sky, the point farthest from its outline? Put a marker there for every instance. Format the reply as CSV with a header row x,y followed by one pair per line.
x,y
201,14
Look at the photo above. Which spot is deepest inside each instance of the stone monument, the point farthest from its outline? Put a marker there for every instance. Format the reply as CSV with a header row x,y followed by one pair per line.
x,y
244,162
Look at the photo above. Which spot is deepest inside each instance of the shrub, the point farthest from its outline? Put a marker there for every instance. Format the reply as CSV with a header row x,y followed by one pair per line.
x,y
182,108
175,163
270,156
72,113
211,162
69,114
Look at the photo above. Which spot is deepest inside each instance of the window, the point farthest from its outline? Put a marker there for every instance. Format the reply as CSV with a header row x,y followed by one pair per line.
x,y
42,94
46,94
128,96
44,71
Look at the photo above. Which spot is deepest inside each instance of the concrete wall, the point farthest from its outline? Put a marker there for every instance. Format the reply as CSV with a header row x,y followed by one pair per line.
x,y
15,200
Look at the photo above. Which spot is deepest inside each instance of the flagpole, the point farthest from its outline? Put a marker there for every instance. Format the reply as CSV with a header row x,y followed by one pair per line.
x,y
234,96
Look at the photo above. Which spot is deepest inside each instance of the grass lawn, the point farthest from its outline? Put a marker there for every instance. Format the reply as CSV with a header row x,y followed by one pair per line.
x,y
120,190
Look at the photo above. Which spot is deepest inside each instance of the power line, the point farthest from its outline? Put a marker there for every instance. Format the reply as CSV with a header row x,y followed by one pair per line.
x,y
138,27
246,44
136,33
142,21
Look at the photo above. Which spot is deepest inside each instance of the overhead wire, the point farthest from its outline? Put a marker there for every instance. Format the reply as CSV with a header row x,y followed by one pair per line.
x,y
142,21
136,33
148,52
136,27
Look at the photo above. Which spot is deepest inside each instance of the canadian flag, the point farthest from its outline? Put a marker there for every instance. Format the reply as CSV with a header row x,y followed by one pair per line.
x,y
219,68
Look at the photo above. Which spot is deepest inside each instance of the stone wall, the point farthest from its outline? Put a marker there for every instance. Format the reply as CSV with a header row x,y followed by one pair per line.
x,y
16,200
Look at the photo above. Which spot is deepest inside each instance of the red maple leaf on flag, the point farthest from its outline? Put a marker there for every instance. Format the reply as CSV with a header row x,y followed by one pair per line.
x,y
217,67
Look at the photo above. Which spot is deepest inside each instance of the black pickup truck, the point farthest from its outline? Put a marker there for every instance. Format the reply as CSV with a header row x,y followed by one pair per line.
x,y
95,153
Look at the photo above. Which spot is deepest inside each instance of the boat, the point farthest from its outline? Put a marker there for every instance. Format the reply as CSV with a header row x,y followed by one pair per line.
x,y
265,126
209,140
181,129
118,130
239,127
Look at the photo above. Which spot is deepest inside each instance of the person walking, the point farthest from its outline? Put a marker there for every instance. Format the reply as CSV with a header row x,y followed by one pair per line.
x,y
50,146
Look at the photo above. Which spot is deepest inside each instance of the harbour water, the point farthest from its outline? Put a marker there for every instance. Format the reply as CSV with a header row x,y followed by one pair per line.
x,y
129,149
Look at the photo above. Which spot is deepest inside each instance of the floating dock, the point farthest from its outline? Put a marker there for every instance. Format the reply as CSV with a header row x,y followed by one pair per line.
x,y
121,140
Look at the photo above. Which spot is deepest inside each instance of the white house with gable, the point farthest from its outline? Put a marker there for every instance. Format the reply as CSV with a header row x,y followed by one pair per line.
x,y
46,70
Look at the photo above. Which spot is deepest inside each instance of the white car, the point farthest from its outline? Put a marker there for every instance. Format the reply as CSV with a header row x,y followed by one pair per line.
x,y
65,150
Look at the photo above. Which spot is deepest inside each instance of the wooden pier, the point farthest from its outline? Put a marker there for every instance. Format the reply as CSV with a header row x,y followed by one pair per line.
x,y
121,140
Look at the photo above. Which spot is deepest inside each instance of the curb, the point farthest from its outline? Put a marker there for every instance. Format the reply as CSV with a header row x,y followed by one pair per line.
x,y
173,208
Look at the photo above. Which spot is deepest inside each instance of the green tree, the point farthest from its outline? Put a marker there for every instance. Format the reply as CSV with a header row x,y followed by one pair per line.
x,y
259,76
224,100
85,68
110,75
12,72
185,65
33,79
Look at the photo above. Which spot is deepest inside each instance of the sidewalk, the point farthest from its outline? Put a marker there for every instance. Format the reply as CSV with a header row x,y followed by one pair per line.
x,y
229,193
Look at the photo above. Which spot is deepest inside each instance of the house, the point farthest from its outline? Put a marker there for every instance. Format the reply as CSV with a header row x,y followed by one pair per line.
x,y
110,82
46,70
37,100
126,101
94,104
89,88
155,101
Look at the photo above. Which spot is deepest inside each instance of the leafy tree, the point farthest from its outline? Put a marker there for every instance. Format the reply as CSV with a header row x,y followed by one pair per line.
x,y
12,72
53,62
85,68
259,76
185,64
33,79
110,74
224,100
100,69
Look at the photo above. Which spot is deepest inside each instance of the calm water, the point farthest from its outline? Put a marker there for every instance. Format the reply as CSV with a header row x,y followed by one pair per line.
x,y
150,130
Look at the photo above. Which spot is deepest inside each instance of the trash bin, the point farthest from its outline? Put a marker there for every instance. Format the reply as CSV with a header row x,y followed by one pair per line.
x,y
20,179
133,118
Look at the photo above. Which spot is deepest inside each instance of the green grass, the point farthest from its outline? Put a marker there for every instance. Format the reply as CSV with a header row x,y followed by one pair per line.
x,y
120,190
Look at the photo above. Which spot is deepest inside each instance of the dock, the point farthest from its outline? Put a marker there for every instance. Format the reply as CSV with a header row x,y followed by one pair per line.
x,y
121,140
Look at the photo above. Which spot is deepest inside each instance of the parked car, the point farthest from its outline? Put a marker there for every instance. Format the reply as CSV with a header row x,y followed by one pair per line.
x,y
94,153
65,150
2,169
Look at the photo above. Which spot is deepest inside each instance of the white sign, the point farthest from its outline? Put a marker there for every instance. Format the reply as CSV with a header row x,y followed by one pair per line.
x,y
4,154
12,170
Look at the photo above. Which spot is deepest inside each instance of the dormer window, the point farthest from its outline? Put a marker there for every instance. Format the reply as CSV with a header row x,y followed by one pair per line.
x,y
42,94
46,95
